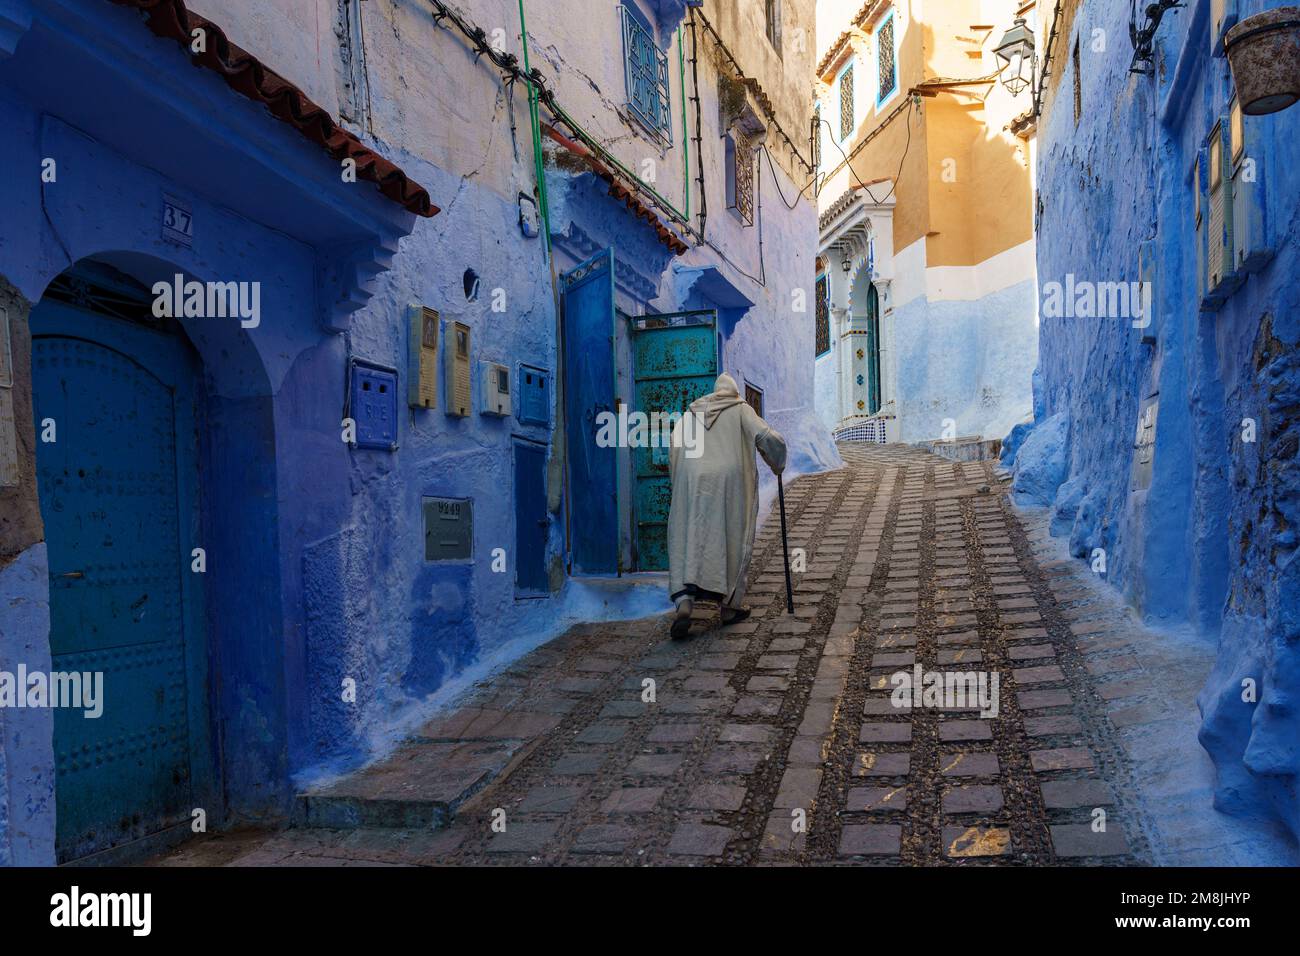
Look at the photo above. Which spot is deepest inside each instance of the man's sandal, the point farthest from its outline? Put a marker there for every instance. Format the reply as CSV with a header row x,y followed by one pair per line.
x,y
681,626
737,615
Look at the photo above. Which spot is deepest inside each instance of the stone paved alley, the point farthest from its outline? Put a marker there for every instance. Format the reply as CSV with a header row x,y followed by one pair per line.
x,y
911,558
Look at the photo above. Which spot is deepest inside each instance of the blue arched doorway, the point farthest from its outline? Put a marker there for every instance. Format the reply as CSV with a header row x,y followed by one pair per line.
x,y
864,335
116,403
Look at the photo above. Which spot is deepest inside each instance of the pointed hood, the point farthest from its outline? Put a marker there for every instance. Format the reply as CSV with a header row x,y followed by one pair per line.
x,y
725,394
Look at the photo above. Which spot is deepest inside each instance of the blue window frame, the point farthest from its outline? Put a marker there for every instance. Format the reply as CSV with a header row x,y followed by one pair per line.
x,y
886,60
645,70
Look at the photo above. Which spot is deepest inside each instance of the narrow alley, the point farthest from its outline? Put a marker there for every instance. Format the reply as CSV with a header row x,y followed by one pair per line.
x,y
911,559
466,438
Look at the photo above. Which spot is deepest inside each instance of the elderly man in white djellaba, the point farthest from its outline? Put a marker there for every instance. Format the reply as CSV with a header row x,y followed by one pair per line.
x,y
715,501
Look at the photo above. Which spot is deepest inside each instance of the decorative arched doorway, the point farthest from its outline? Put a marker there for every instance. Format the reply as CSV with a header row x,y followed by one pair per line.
x,y
865,387
116,406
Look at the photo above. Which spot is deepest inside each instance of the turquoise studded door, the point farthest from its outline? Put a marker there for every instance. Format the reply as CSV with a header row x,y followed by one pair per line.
x,y
675,361
117,487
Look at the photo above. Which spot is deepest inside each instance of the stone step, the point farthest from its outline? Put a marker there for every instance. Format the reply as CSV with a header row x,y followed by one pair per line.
x,y
422,785
969,448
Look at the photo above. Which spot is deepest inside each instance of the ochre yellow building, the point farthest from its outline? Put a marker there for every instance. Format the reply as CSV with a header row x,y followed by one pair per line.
x,y
926,286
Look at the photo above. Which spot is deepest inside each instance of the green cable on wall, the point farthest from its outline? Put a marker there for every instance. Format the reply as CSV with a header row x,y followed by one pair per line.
x,y
534,118
534,111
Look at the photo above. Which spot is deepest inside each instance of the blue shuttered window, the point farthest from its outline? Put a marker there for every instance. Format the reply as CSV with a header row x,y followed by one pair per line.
x,y
645,68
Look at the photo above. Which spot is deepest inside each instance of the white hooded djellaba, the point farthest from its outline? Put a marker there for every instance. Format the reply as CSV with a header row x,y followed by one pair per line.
x,y
714,509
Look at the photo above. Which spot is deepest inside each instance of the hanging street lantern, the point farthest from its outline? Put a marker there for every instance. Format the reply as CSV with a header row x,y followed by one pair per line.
x,y
1015,53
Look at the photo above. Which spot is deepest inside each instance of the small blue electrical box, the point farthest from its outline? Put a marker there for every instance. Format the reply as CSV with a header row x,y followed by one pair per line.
x,y
534,386
374,406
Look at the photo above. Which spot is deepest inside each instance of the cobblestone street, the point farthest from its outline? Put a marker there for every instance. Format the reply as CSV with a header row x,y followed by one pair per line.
x,y
911,559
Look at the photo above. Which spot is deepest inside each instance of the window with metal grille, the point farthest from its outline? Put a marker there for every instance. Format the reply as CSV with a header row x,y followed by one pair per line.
x,y
754,397
823,297
888,68
740,176
773,17
645,70
846,102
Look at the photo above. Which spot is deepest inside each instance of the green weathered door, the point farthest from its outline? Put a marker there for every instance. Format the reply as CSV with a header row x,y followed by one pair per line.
x,y
675,361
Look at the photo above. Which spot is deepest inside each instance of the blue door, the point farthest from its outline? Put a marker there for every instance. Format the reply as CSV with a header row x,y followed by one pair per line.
x,y
588,309
674,362
532,522
117,489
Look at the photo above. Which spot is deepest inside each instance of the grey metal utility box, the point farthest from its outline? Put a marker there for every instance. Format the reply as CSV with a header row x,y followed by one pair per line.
x,y
448,529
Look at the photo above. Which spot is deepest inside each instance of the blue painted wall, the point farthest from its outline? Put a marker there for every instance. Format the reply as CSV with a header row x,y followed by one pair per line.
x,y
286,225
315,548
1212,542
964,360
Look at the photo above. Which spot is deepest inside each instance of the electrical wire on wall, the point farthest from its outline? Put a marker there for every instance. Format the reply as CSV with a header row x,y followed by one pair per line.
x,y
699,125
370,109
761,278
701,233
910,105
510,110
741,75
780,192
46,213
540,93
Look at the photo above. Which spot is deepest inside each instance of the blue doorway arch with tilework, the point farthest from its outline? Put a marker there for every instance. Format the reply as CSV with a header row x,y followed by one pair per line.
x,y
119,497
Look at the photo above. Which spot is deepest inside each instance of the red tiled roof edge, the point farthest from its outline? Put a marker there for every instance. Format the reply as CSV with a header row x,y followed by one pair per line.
x,y
248,75
622,192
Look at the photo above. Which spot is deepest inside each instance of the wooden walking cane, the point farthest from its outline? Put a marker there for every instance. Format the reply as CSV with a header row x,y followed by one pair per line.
x,y
785,547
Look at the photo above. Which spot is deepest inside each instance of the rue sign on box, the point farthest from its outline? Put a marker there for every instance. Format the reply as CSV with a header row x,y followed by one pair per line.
x,y
534,390
448,529
374,406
